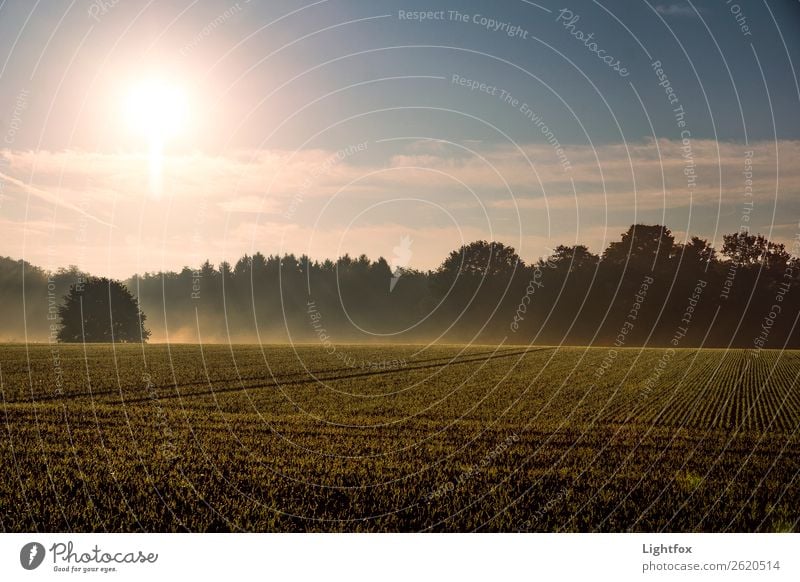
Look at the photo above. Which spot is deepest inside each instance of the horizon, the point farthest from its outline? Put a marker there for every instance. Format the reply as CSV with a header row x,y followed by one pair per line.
x,y
792,249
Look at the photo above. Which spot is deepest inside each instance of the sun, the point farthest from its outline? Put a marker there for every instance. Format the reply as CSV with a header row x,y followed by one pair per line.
x,y
156,110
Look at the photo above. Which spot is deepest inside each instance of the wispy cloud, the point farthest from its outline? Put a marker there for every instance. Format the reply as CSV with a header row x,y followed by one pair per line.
x,y
50,197
676,10
220,207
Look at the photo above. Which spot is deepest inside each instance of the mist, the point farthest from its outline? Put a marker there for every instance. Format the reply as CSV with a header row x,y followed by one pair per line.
x,y
645,289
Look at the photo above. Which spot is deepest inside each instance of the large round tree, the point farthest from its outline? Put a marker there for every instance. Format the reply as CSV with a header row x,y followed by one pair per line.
x,y
101,310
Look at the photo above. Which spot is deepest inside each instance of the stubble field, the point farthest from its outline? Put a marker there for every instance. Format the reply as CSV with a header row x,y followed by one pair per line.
x,y
397,438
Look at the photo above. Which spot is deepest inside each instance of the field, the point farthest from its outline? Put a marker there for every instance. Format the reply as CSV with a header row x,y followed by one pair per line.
x,y
401,438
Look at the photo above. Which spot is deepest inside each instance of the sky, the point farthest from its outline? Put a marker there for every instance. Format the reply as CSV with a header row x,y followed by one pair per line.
x,y
145,136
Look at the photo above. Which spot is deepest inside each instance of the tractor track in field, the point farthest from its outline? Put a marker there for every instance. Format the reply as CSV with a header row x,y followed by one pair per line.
x,y
276,380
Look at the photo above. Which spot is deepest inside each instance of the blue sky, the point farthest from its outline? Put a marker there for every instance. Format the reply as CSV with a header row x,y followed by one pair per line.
x,y
274,90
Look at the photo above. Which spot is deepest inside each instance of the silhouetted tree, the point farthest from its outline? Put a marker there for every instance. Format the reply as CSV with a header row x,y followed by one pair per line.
x,y
573,259
754,250
571,296
476,263
697,252
101,310
642,247
485,259
478,282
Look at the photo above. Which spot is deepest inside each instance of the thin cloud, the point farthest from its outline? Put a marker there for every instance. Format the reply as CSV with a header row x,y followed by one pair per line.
x,y
676,10
220,207
51,198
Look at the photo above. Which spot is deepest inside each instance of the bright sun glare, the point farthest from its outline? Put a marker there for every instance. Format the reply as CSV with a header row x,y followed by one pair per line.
x,y
156,110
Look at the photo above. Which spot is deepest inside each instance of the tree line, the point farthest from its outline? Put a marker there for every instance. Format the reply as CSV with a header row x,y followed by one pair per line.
x,y
645,288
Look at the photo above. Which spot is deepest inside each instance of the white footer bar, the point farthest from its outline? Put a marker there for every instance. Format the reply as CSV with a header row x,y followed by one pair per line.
x,y
401,557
